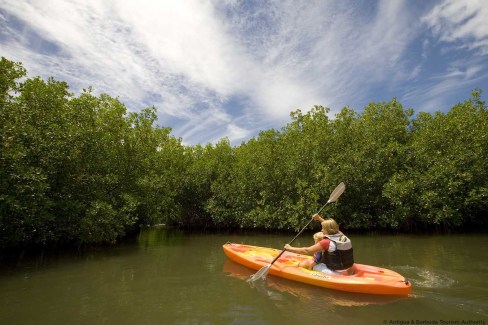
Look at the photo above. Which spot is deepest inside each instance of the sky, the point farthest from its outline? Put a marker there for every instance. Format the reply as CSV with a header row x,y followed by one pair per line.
x,y
219,69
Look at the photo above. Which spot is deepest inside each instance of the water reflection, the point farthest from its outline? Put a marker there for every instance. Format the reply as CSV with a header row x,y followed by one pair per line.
x,y
169,276
160,236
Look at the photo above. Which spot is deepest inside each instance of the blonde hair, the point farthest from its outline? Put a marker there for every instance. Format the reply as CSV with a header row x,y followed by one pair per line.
x,y
318,236
330,226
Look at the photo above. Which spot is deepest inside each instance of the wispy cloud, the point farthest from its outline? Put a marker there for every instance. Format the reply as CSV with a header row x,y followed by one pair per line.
x,y
459,31
461,21
324,52
224,68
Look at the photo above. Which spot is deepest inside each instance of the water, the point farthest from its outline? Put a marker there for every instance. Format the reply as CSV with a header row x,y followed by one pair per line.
x,y
173,277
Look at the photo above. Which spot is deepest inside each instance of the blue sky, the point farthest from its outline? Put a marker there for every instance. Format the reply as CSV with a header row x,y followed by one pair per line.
x,y
230,68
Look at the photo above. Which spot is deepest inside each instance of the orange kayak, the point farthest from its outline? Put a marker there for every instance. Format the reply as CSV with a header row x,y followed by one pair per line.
x,y
363,278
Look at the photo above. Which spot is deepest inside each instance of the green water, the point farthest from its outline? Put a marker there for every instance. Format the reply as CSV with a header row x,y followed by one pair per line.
x,y
173,277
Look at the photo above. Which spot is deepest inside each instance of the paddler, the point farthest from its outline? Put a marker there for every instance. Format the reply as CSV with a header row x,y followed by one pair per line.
x,y
335,248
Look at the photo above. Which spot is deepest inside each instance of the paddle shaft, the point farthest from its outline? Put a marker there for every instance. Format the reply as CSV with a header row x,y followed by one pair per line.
x,y
277,257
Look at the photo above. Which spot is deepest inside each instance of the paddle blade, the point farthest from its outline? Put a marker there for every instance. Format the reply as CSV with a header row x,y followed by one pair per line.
x,y
261,274
337,192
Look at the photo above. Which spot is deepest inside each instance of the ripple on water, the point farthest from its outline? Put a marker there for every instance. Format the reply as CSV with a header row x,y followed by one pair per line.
x,y
424,278
431,279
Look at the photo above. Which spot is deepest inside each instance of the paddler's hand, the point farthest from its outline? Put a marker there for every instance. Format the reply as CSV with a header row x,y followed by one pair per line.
x,y
317,217
287,247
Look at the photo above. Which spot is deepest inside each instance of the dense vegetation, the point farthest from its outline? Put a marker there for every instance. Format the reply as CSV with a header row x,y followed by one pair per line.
x,y
81,169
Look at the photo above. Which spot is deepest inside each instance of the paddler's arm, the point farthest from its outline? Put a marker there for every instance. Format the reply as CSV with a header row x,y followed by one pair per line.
x,y
317,217
304,250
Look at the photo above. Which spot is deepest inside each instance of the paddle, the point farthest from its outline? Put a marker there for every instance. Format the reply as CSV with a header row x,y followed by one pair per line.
x,y
261,274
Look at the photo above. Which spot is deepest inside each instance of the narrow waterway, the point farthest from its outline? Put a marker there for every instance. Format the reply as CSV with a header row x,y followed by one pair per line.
x,y
168,276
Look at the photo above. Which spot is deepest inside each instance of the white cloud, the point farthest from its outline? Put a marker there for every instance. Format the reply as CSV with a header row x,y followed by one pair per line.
x,y
464,21
185,38
456,28
281,56
228,68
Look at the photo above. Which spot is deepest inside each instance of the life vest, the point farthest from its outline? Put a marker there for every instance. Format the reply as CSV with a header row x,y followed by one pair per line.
x,y
341,256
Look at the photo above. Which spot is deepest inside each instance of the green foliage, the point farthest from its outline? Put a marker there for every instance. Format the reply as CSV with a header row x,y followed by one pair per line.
x,y
10,72
82,170
444,182
373,150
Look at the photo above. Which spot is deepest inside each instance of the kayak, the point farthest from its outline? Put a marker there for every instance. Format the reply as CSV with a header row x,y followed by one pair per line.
x,y
275,286
359,278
